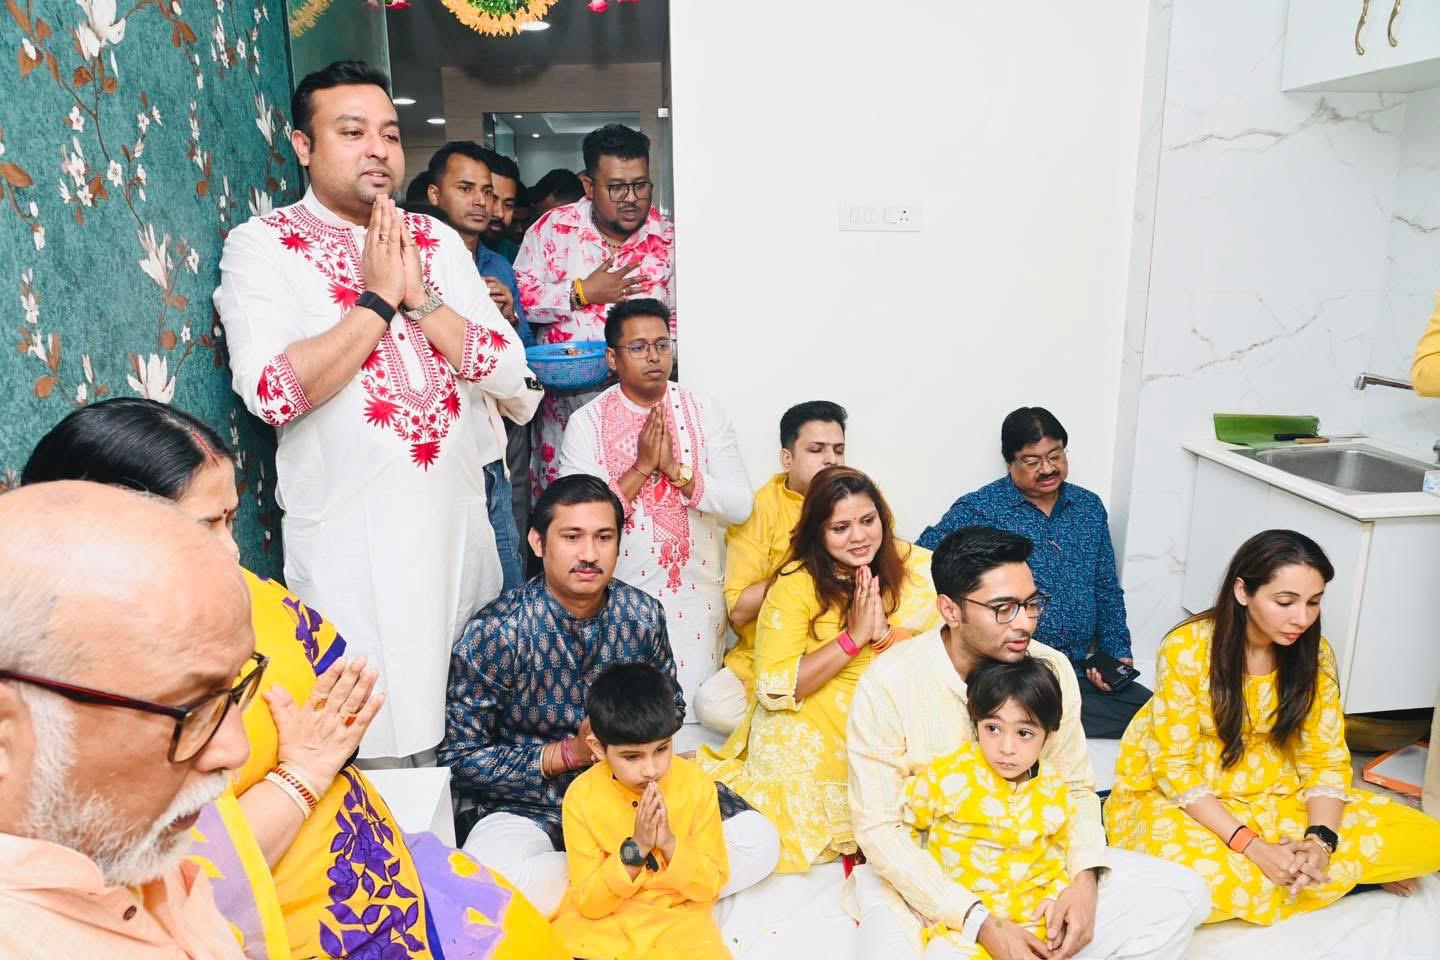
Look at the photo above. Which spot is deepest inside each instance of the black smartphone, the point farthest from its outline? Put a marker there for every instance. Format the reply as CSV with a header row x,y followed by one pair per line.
x,y
1112,671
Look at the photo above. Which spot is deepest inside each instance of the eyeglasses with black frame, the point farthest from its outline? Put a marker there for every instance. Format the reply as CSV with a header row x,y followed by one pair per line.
x,y
619,191
639,349
195,723
1007,610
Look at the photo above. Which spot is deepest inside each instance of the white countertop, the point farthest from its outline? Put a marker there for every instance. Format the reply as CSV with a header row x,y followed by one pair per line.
x,y
1359,506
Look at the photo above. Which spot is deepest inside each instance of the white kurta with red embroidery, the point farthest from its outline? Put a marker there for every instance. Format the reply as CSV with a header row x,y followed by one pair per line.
x,y
673,546
563,246
386,529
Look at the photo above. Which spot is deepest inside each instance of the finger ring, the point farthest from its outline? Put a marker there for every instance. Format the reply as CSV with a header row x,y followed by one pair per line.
x,y
350,719
320,703
384,239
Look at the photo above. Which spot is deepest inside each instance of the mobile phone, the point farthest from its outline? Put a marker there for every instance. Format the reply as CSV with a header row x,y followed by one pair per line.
x,y
1112,671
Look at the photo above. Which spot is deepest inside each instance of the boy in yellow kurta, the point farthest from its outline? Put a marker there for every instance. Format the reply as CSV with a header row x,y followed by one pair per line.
x,y
642,832
996,819
812,437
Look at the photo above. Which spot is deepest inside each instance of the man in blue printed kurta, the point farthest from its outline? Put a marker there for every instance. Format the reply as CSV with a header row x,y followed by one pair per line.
x,y
1073,560
515,723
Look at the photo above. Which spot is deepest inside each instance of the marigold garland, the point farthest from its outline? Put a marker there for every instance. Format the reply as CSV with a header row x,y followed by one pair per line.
x,y
306,15
498,18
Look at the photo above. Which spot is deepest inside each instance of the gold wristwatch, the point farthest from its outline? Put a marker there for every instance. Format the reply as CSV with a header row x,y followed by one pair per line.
x,y
685,475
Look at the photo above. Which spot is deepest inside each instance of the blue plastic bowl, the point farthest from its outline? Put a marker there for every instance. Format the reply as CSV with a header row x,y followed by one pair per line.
x,y
558,369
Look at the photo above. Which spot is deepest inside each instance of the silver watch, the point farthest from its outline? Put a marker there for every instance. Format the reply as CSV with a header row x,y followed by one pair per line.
x,y
431,304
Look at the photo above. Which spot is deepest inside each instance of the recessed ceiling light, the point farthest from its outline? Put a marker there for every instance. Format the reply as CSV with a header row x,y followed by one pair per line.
x,y
534,26
437,121
519,116
403,101
535,136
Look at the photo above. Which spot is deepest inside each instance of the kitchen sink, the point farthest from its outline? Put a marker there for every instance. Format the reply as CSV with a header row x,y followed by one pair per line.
x,y
1352,467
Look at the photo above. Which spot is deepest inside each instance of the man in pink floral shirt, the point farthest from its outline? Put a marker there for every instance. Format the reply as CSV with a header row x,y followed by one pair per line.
x,y
578,259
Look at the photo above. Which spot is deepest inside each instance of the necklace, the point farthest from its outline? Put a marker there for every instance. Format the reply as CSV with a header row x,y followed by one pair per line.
x,y
611,245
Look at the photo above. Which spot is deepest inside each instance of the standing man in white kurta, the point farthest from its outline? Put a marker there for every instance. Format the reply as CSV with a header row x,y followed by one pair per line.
x,y
365,336
672,458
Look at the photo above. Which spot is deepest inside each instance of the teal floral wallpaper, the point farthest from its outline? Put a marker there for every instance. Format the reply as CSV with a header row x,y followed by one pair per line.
x,y
131,139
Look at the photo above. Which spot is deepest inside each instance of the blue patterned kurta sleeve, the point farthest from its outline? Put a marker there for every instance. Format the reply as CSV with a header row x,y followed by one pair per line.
x,y
1111,630
480,758
959,515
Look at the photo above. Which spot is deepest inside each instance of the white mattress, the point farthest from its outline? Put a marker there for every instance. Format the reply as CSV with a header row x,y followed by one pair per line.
x,y
795,916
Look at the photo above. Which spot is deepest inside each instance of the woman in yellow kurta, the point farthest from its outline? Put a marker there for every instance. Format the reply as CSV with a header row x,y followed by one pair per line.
x,y
849,591
1238,767
342,880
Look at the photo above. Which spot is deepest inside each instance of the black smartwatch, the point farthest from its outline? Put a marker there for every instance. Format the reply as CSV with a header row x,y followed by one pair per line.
x,y
630,853
1325,835
373,301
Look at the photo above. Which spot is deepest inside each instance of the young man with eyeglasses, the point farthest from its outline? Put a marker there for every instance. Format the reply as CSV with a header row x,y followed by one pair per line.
x,y
578,259
672,458
119,722
911,707
1073,562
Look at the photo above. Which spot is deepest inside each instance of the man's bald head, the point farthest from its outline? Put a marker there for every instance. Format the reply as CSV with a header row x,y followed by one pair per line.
x,y
106,588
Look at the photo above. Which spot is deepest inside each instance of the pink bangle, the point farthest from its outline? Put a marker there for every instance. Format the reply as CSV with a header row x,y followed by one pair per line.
x,y
847,644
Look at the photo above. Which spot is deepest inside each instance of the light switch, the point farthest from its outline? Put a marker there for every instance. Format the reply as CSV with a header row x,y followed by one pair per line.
x,y
882,216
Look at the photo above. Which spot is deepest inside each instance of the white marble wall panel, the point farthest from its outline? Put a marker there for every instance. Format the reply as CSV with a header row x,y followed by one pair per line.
x,y
1413,261
1271,219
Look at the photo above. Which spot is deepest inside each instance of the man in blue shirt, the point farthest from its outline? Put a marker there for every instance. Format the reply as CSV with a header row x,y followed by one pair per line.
x,y
462,194
1073,560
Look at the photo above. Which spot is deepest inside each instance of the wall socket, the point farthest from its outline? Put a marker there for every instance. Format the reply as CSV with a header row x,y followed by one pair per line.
x,y
889,216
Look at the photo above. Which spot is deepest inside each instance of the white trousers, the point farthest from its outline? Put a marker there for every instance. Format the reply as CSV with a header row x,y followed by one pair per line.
x,y
518,850
720,703
1147,910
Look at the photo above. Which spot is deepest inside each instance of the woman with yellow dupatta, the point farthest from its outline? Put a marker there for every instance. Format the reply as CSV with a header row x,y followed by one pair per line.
x,y
848,591
1237,767
305,858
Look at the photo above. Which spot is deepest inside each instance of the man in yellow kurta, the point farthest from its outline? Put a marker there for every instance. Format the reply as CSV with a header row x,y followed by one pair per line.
x,y
642,832
1425,374
812,437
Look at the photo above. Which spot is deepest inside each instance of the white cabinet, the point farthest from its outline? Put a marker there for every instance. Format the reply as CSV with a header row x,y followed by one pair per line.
x,y
1381,611
1320,44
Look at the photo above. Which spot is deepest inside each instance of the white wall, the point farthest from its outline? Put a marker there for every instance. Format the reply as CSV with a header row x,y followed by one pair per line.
x,y
1413,276
1268,267
1014,126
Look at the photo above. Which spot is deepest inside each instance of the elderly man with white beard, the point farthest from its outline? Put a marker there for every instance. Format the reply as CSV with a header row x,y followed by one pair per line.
x,y
123,627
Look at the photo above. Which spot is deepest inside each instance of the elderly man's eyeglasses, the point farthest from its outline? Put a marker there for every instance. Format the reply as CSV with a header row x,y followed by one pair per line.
x,y
619,191
195,723
1055,459
1007,610
641,348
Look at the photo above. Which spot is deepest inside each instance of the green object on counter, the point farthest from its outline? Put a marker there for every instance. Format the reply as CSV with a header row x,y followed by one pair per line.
x,y
1253,429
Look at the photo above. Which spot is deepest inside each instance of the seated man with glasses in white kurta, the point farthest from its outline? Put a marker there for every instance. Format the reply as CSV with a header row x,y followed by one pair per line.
x,y
672,458
365,336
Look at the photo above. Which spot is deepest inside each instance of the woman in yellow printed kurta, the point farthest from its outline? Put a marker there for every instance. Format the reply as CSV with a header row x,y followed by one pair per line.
x,y
667,912
1175,796
1006,843
850,591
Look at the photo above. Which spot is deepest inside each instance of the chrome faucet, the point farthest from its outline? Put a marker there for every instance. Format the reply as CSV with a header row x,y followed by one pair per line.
x,y
1374,379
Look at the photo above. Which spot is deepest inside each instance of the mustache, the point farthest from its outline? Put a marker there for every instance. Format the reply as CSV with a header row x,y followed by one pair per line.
x,y
586,567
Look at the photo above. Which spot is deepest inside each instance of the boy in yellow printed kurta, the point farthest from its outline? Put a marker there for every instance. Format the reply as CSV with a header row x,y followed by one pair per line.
x,y
996,819
642,832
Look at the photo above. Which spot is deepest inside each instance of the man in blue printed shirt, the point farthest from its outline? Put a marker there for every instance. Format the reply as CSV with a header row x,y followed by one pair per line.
x,y
1073,560
515,723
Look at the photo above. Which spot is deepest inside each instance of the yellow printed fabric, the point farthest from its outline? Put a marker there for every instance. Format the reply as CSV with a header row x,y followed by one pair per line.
x,y
659,913
351,883
754,550
787,758
1425,372
1170,757
1006,842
